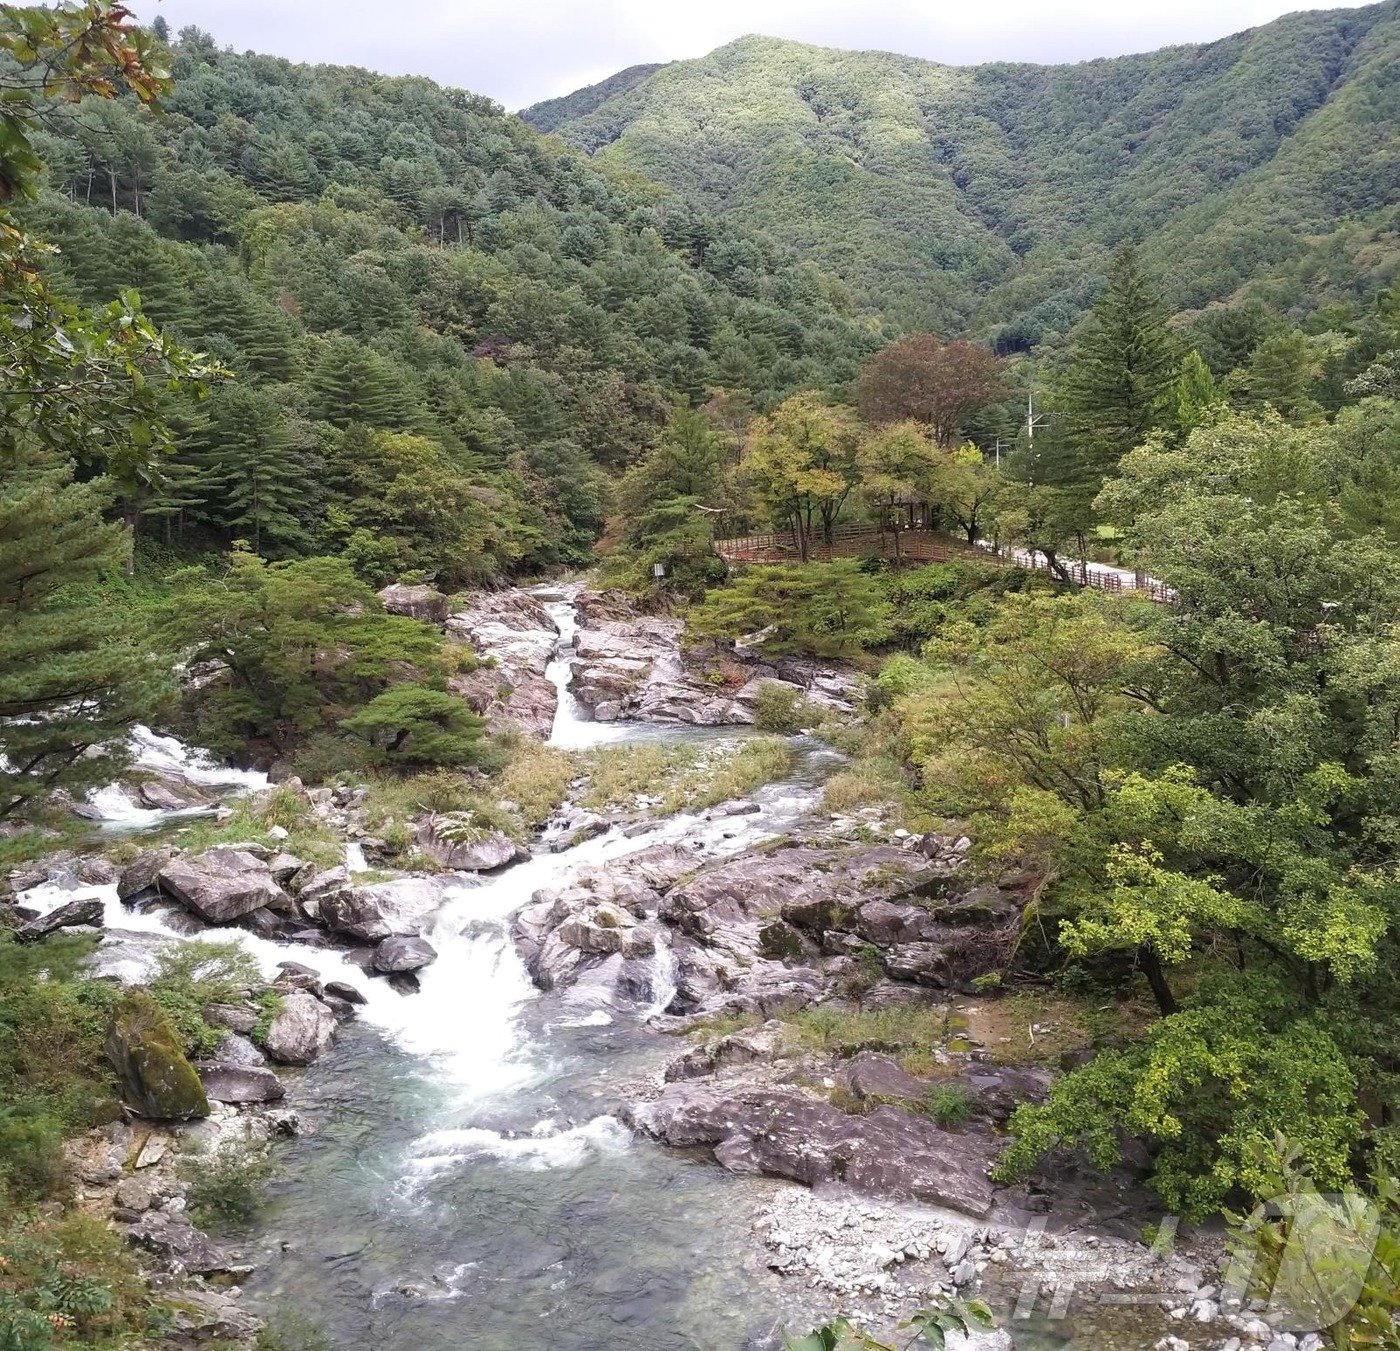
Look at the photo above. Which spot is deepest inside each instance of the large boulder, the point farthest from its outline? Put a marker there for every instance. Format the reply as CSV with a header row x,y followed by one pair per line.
x,y
156,1079
371,913
301,1031
221,884
69,916
509,698
516,638
873,1077
238,1083
142,873
178,1246
401,953
568,932
511,627
171,792
416,602
763,1043
785,1133
208,1316
454,840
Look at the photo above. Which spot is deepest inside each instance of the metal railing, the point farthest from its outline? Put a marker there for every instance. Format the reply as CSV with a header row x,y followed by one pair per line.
x,y
928,546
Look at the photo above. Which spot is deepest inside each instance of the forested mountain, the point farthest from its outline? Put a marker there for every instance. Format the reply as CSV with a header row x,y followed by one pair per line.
x,y
985,198
445,330
551,113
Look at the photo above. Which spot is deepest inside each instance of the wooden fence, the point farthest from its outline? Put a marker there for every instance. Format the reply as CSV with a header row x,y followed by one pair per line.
x,y
926,546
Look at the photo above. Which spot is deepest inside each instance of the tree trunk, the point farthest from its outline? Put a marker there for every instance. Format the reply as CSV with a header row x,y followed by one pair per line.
x,y
1156,978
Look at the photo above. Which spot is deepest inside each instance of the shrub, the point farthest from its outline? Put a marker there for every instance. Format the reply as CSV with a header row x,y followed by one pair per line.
x,y
288,1330
193,974
68,1282
54,1075
780,708
228,1185
31,1153
949,1105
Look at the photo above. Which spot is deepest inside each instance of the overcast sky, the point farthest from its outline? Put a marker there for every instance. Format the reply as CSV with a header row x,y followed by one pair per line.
x,y
519,53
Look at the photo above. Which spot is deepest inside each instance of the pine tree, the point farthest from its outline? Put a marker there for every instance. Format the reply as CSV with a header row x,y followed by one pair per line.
x,y
1122,373
252,473
352,384
1195,394
73,673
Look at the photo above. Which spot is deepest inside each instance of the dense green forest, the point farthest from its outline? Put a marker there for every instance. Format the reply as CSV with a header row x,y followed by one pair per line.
x,y
445,332
984,200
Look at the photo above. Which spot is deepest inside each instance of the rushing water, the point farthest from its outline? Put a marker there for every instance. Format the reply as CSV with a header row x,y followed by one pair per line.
x,y
461,1181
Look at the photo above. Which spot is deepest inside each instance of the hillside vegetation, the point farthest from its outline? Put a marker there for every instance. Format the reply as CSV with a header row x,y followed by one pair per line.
x,y
985,198
444,328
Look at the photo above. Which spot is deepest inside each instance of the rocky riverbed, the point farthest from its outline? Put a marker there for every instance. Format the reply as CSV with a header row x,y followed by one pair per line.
x,y
718,1004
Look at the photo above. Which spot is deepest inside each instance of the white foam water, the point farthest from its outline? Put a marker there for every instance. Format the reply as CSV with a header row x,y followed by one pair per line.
x,y
464,1024
663,977
155,752
547,1146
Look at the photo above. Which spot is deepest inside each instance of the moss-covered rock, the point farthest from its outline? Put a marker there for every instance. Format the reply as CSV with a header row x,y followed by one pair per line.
x,y
157,1081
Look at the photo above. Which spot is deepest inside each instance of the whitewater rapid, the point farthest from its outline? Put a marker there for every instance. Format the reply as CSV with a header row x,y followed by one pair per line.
x,y
463,1028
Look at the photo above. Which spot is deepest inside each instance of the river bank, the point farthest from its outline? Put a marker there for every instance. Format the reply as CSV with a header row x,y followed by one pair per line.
x,y
510,1079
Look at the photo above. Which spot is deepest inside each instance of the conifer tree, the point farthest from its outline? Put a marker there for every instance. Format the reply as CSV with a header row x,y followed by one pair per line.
x,y
352,384
73,671
253,474
1122,373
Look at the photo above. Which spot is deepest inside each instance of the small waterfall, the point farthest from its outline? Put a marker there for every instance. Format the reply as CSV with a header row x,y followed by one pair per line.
x,y
114,806
664,968
171,755
571,730
355,861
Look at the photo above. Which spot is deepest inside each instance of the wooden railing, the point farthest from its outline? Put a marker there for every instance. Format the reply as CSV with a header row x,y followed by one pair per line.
x,y
928,546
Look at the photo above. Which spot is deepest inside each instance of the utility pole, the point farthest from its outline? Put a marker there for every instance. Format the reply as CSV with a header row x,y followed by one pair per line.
x,y
1032,422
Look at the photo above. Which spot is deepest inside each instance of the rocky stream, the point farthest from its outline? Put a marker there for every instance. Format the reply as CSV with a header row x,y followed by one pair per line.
x,y
496,1125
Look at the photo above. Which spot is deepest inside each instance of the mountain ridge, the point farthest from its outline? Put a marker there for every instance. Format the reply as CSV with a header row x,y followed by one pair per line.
x,y
972,197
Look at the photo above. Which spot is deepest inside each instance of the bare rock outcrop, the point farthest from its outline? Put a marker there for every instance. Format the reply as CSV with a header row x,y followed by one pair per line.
x,y
787,1133
514,637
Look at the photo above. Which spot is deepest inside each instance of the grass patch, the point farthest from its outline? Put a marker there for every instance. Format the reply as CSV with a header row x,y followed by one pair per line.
x,y
395,801
876,782
844,1030
619,774
755,762
685,777
1038,1027
537,778
950,1105
722,1025
308,836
